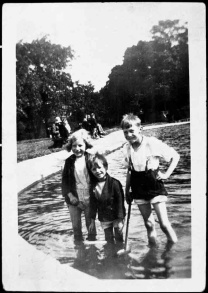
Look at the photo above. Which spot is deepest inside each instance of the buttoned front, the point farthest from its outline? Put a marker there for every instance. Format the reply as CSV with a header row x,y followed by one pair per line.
x,y
110,205
68,178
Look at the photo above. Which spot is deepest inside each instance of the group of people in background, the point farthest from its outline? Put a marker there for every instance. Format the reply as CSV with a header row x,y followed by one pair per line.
x,y
88,188
60,129
91,125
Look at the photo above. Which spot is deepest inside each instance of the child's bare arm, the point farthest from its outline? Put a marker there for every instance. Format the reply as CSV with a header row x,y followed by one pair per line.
x,y
128,181
127,190
173,163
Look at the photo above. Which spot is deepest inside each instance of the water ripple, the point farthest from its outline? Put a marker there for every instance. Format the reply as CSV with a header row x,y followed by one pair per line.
x,y
44,221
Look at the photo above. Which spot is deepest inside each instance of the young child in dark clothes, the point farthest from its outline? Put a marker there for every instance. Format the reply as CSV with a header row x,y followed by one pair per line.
x,y
106,198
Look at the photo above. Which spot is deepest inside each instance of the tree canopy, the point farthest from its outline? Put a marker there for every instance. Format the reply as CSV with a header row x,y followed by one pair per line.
x,y
153,78
41,83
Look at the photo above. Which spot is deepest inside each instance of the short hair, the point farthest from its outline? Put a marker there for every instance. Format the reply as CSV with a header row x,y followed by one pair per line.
x,y
130,119
97,156
79,134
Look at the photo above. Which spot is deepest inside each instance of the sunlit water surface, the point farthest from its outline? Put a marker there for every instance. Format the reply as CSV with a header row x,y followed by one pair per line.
x,y
44,221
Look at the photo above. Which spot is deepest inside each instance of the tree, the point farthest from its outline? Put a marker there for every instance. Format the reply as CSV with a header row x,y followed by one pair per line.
x,y
154,76
83,100
171,66
42,85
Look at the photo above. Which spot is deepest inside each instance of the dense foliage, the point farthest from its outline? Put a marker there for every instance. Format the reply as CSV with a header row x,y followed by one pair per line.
x,y
153,79
41,84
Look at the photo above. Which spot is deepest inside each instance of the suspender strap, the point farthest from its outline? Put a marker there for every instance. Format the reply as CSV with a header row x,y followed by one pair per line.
x,y
131,166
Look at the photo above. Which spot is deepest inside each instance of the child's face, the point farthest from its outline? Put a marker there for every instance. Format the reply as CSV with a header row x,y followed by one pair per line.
x,y
78,147
133,133
98,170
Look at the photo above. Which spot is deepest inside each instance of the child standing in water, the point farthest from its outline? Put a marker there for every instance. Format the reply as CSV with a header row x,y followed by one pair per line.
x,y
107,198
76,183
142,155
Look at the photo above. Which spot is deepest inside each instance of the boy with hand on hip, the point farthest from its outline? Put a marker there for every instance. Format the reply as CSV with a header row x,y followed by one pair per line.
x,y
107,198
142,156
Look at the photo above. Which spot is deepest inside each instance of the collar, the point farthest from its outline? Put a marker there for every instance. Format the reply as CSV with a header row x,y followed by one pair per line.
x,y
142,142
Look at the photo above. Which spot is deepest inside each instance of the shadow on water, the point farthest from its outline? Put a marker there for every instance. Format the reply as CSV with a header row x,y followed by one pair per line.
x,y
44,221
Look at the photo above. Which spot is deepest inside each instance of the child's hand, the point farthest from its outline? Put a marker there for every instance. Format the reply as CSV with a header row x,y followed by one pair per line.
x,y
73,199
120,224
92,226
162,176
81,205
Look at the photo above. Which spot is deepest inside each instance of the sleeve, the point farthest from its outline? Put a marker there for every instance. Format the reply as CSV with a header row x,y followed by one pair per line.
x,y
93,206
119,195
65,180
161,149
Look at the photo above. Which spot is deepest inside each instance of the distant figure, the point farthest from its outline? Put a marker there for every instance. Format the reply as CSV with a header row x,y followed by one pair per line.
x,y
107,199
76,183
49,131
93,126
67,126
142,157
100,130
55,131
59,133
86,124
56,137
62,129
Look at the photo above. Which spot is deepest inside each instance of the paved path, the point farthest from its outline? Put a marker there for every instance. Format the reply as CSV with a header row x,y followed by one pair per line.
x,y
34,270
33,170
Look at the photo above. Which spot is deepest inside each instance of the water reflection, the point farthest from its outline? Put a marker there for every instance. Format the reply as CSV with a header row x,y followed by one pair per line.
x,y
100,262
153,264
44,221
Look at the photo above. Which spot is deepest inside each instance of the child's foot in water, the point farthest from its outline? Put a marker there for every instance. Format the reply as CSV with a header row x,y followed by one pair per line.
x,y
91,238
152,238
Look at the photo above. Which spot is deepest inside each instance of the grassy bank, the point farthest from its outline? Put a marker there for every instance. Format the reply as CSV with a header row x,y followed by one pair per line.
x,y
30,149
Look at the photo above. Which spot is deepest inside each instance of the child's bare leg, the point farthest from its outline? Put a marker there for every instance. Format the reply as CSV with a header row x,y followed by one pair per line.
x,y
165,225
146,212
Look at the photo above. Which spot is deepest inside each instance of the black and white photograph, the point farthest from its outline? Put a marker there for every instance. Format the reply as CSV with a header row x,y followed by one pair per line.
x,y
104,147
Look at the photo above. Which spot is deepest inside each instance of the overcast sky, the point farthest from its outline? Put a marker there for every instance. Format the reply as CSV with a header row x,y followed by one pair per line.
x,y
99,33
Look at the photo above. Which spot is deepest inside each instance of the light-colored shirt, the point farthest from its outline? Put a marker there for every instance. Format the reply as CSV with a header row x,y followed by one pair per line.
x,y
148,154
81,174
99,188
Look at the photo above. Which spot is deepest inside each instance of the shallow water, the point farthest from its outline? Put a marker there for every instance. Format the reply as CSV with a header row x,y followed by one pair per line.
x,y
44,221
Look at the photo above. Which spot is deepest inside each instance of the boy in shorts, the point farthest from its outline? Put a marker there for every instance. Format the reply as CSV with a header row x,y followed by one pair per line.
x,y
142,156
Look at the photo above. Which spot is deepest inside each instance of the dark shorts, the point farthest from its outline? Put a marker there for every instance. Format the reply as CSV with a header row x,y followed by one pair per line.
x,y
144,185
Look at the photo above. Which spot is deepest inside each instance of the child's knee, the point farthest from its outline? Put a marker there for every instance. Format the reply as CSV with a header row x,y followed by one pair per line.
x,y
149,224
168,230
